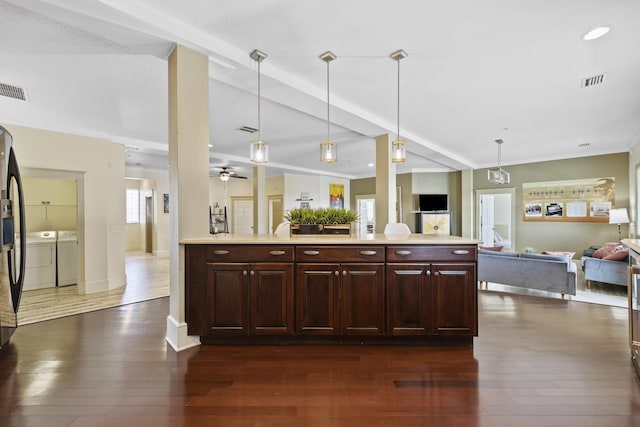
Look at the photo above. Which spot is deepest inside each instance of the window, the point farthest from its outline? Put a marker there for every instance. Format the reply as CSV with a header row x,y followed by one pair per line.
x,y
133,206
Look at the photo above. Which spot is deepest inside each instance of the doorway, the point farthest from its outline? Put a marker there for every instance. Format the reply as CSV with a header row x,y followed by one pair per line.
x,y
366,210
276,212
148,225
242,215
495,213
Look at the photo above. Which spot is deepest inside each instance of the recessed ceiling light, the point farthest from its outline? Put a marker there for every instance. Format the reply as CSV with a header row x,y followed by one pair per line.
x,y
596,33
371,165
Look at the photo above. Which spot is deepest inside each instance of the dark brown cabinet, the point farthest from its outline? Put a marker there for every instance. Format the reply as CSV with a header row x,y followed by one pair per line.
x,y
240,298
254,298
384,291
345,299
408,299
425,298
454,299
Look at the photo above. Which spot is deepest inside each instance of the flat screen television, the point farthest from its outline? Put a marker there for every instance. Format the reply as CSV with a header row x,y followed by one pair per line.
x,y
433,202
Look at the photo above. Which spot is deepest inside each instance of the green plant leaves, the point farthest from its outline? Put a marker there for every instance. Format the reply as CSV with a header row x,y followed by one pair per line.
x,y
326,216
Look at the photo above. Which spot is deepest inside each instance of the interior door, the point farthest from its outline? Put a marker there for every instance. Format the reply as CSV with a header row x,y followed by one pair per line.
x,y
486,219
243,216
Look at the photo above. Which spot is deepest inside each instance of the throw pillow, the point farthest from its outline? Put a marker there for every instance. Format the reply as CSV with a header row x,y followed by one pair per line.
x,y
618,254
492,248
605,250
569,254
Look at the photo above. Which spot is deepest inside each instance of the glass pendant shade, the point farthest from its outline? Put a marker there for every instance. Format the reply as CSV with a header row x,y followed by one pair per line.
x,y
328,152
398,151
259,152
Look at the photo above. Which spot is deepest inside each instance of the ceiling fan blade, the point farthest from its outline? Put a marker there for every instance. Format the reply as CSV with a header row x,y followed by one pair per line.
x,y
237,176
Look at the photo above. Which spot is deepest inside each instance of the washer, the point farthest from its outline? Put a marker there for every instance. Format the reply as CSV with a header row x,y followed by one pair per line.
x,y
40,266
67,248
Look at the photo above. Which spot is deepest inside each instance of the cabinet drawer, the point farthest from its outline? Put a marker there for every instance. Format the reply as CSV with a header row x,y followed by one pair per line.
x,y
340,253
249,253
431,253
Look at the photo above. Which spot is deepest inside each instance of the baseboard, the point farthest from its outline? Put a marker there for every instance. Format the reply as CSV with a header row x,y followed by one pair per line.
x,y
177,335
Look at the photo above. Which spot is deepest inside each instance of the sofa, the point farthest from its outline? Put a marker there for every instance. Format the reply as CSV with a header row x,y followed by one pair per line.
x,y
606,264
605,271
551,273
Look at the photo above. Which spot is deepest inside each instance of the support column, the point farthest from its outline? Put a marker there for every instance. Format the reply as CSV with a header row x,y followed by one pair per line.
x,y
260,205
385,183
188,176
467,213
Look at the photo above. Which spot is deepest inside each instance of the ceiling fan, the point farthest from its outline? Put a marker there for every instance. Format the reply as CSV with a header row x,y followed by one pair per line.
x,y
225,174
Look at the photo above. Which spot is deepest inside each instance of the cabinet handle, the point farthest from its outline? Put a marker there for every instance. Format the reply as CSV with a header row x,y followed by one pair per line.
x,y
344,272
253,273
337,273
244,273
403,252
461,252
276,253
436,273
312,252
368,253
428,273
221,252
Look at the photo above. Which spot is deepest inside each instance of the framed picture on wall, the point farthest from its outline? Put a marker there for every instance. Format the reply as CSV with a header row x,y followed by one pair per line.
x,y
436,223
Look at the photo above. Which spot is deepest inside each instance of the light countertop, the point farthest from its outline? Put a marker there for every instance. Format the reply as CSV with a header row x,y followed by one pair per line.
x,y
633,244
331,239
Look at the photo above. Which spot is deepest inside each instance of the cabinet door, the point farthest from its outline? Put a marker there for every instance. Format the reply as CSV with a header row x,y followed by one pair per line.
x,y
454,297
227,298
362,299
271,298
407,299
317,299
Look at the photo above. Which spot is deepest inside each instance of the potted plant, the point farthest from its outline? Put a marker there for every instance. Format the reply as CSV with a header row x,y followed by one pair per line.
x,y
321,220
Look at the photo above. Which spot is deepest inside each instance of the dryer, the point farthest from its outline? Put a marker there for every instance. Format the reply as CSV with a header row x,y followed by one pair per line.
x,y
67,256
41,264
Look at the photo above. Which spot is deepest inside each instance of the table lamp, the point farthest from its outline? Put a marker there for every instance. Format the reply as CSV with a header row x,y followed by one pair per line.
x,y
618,216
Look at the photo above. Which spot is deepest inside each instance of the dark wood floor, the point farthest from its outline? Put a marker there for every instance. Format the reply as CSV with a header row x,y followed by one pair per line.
x,y
537,362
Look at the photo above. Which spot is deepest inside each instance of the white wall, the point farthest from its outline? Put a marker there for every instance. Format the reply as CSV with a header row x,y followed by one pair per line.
x,y
101,197
316,186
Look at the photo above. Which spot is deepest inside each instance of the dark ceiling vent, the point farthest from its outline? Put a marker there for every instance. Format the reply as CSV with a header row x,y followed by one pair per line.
x,y
14,92
593,80
247,129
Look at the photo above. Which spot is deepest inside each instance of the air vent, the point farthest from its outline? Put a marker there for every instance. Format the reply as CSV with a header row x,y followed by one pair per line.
x,y
247,129
14,92
593,80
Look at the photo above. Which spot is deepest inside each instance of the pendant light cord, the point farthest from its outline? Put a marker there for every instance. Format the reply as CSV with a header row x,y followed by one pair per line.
x,y
328,133
259,125
398,122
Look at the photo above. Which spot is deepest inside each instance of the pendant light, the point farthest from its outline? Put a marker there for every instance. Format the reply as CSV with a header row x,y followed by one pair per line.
x,y
399,146
499,175
259,150
328,150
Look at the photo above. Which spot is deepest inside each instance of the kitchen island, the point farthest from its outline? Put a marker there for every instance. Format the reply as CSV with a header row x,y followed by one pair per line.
x,y
373,288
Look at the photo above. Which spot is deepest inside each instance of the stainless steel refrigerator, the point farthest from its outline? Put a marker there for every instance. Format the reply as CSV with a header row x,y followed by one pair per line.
x,y
11,269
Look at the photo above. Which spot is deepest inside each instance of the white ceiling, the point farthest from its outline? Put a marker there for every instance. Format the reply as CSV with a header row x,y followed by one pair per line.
x,y
476,72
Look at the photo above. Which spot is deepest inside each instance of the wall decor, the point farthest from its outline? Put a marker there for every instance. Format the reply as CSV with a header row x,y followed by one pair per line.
x,y
578,200
165,202
436,223
336,195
